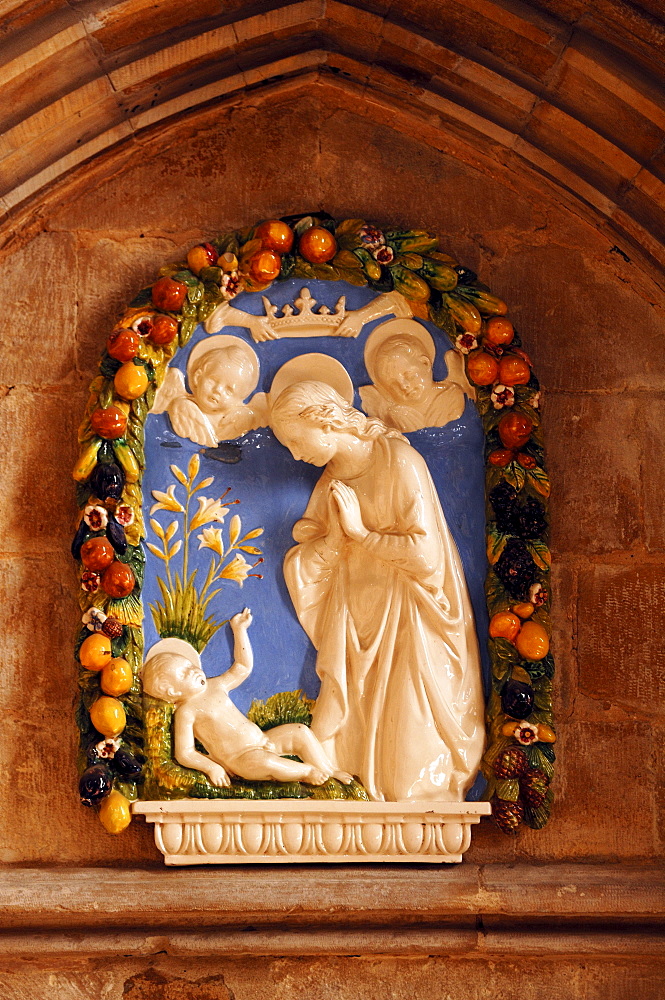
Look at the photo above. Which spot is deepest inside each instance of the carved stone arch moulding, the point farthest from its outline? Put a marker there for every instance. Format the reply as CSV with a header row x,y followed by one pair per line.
x,y
420,564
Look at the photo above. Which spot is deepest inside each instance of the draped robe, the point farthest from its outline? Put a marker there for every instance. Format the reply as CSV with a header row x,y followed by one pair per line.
x,y
401,703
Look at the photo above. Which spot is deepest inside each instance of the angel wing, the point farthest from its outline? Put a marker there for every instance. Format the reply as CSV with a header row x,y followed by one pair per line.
x,y
188,421
171,388
455,364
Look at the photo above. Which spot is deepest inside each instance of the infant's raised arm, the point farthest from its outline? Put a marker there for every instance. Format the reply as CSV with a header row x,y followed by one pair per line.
x,y
242,652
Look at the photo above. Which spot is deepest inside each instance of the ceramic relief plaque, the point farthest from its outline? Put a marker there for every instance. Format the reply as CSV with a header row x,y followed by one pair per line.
x,y
313,553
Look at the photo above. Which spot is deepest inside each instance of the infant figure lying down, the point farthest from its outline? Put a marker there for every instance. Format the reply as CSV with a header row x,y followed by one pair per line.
x,y
236,746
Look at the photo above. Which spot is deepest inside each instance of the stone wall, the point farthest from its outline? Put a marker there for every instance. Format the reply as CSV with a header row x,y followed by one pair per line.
x,y
591,315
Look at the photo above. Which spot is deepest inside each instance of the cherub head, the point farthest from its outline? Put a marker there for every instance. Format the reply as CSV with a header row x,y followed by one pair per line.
x,y
403,371
399,356
172,677
222,378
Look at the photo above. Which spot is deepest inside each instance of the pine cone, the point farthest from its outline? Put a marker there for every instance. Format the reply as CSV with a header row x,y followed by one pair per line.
x,y
113,628
516,569
530,521
504,503
507,815
511,763
533,786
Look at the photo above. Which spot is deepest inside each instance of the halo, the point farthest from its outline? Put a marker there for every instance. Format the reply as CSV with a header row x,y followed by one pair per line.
x,y
313,368
177,646
408,328
225,340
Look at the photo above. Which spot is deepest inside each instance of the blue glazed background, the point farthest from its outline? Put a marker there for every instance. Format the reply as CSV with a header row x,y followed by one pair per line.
x,y
274,490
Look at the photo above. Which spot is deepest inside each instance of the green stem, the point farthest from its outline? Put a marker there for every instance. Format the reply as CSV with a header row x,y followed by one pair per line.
x,y
209,578
185,546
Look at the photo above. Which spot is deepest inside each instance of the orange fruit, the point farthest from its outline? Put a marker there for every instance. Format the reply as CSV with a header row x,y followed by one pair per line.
x,y
499,331
317,245
533,642
515,430
97,554
482,368
203,255
95,651
116,677
109,422
526,461
118,580
169,294
500,458
123,345
115,812
524,610
275,235
164,330
108,716
263,266
513,371
505,625
130,381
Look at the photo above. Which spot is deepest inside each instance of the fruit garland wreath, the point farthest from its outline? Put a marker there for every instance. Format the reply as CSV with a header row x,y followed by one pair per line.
x,y
518,763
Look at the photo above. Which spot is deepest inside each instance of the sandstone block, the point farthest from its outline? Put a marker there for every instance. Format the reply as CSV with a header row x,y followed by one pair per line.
x,y
593,445
621,645
37,491
582,328
605,790
38,282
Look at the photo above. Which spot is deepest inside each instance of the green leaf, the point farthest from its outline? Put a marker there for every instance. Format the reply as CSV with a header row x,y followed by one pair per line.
x,y
514,474
188,308
539,479
443,319
503,655
106,395
195,293
496,543
186,277
540,554
187,328
543,695
206,309
228,244
508,790
352,277
497,598
349,226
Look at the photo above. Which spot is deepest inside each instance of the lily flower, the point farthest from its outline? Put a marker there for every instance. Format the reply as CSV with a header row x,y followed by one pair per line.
x,y
209,510
167,501
237,570
211,538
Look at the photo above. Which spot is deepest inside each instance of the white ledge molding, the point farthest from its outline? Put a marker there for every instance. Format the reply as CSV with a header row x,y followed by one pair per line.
x,y
224,831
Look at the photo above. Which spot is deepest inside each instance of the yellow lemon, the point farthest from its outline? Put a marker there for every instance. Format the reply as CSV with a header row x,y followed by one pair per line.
x,y
130,381
115,812
95,651
505,625
524,610
532,642
108,716
116,677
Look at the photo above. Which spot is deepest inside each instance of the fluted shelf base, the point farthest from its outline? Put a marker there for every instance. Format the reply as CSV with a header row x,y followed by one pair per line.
x,y
238,831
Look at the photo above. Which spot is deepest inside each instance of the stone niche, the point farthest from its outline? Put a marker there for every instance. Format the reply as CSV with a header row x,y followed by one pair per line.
x,y
579,901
